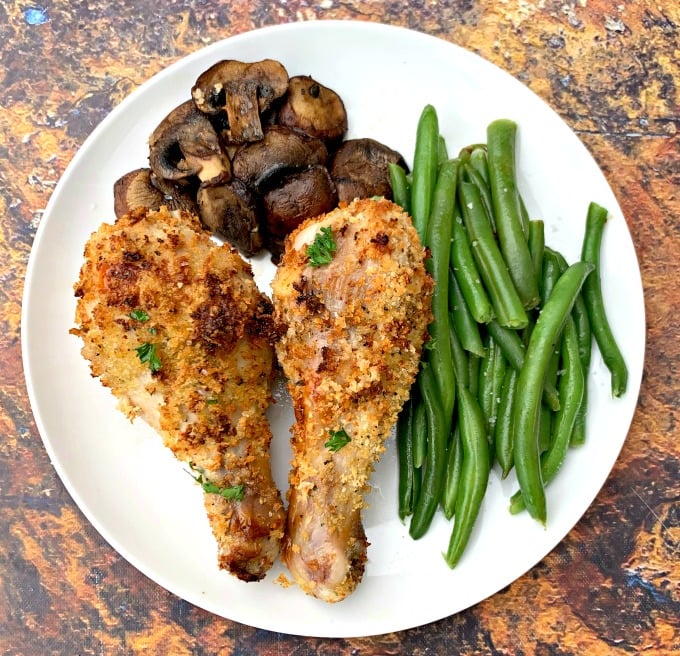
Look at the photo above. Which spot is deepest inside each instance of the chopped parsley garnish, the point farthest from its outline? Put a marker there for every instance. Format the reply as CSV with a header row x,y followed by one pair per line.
x,y
338,440
139,315
232,493
321,250
147,353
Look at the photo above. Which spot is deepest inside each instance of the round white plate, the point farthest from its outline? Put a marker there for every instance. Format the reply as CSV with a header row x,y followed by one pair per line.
x,y
140,498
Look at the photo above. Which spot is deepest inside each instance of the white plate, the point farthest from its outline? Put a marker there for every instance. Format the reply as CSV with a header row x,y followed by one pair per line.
x,y
140,498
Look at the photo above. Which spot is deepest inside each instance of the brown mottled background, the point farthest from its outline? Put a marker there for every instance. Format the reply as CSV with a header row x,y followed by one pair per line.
x,y
609,68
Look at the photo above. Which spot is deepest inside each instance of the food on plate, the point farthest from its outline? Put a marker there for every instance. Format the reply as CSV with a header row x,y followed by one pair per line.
x,y
506,372
352,305
305,193
175,326
360,169
141,188
251,153
242,91
313,108
596,220
229,208
259,164
185,146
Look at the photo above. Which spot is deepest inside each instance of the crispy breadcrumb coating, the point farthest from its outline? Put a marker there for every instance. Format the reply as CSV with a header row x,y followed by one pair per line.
x,y
352,334
175,326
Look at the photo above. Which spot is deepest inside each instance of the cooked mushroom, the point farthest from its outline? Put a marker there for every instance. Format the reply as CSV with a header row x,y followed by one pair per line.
x,y
242,90
134,189
359,169
228,208
299,196
141,188
280,151
314,109
177,194
185,144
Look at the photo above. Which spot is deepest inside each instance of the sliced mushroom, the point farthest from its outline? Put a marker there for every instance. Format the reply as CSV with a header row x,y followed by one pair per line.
x,y
360,169
299,196
135,189
280,151
229,209
185,144
242,90
177,194
314,109
141,188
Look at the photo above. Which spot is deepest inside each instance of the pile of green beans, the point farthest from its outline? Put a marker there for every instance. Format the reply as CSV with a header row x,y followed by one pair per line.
x,y
503,377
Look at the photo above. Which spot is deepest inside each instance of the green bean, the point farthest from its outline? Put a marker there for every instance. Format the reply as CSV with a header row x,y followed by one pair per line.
x,y
551,273
438,240
466,151
544,428
454,466
424,173
473,371
465,324
580,315
592,295
491,375
514,351
470,174
478,161
419,431
584,333
401,194
546,332
585,341
442,150
438,426
500,136
459,360
571,395
523,214
492,267
537,245
407,469
503,431
466,272
474,474
579,434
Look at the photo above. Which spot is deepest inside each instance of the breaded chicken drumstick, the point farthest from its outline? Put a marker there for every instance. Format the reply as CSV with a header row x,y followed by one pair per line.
x,y
174,325
352,301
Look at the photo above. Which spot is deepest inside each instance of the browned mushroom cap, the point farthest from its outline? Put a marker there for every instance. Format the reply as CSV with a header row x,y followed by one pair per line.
x,y
299,196
229,209
177,194
359,169
185,144
281,150
135,189
314,109
242,90
141,188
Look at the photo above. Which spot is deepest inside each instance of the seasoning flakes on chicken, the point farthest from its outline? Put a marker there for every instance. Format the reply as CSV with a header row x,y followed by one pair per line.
x,y
175,326
352,303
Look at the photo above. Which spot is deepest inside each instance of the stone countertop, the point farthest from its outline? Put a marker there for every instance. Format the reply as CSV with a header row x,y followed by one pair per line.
x,y
609,69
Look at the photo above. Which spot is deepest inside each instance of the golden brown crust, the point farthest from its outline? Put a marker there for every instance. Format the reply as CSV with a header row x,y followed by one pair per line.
x,y
210,329
352,334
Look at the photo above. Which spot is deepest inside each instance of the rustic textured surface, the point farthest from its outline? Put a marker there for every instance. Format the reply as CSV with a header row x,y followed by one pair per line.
x,y
609,68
